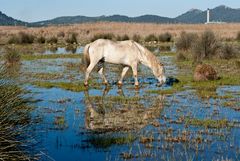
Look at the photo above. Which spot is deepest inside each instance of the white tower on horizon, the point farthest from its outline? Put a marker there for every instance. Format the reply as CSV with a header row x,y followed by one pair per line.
x,y
208,15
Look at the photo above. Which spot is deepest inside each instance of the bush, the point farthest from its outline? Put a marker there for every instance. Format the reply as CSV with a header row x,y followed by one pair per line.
x,y
185,41
181,56
228,51
72,38
61,34
206,46
41,40
15,116
125,37
11,56
21,38
238,36
151,38
166,37
13,40
52,40
108,36
237,63
136,38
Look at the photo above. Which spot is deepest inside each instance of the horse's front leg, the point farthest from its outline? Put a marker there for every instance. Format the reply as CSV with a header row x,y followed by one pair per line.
x,y
103,76
134,69
124,71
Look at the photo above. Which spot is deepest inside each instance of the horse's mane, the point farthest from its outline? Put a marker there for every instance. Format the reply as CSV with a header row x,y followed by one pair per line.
x,y
152,59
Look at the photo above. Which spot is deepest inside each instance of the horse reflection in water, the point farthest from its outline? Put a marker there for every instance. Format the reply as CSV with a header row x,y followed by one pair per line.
x,y
118,116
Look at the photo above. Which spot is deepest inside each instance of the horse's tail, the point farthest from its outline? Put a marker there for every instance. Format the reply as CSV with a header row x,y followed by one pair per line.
x,y
86,58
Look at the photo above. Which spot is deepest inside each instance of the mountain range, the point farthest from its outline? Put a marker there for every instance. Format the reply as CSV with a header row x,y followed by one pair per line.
x,y
194,16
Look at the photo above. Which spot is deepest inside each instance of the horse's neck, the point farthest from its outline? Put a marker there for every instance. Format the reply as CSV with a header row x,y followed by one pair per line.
x,y
148,59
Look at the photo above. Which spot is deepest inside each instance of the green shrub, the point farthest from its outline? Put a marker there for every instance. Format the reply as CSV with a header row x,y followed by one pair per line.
x,y
181,56
228,51
26,38
15,116
238,36
125,37
206,46
72,38
108,36
237,63
151,38
41,40
11,56
52,40
61,34
13,40
186,41
166,37
136,38
21,38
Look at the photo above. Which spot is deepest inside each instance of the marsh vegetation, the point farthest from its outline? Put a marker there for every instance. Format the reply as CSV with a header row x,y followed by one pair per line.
x,y
187,120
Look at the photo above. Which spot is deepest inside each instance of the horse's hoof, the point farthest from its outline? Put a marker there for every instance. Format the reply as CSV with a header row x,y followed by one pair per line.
x,y
136,86
119,84
105,83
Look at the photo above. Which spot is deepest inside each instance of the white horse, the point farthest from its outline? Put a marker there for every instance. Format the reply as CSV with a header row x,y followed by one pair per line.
x,y
128,53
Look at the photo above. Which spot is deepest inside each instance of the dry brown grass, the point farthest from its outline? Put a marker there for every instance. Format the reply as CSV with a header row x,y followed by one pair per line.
x,y
86,31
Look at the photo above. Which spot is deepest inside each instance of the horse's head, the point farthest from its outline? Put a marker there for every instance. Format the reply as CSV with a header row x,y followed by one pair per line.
x,y
159,73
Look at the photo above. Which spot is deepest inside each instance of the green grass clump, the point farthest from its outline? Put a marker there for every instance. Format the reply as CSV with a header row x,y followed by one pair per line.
x,y
151,38
109,36
11,56
106,141
186,41
208,123
50,56
136,38
165,37
21,38
52,40
75,87
72,38
41,40
15,116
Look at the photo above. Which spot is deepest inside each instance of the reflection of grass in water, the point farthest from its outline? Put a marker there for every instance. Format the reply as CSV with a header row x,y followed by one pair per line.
x,y
15,119
50,56
107,141
75,87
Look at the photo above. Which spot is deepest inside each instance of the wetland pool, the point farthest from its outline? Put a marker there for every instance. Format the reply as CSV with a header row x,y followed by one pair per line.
x,y
112,123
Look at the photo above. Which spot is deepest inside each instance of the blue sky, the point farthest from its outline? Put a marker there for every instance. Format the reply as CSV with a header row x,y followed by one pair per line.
x,y
36,10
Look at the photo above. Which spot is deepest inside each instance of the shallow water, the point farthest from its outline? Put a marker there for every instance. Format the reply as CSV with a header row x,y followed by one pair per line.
x,y
63,50
111,123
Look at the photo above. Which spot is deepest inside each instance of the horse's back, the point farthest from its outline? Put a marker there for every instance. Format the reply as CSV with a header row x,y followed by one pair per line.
x,y
124,52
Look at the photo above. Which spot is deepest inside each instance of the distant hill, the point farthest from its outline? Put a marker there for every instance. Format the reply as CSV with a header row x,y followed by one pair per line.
x,y
113,18
221,13
9,21
193,16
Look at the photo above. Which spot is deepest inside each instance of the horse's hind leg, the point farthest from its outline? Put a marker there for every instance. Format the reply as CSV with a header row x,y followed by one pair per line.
x,y
100,71
124,71
88,71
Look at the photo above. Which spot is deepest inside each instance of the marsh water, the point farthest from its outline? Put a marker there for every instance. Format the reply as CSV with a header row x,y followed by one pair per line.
x,y
112,123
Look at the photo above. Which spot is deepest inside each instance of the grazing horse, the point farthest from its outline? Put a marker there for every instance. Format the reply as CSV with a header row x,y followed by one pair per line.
x,y
128,53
